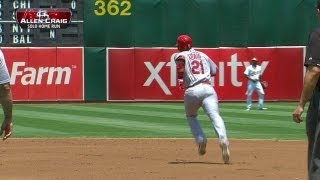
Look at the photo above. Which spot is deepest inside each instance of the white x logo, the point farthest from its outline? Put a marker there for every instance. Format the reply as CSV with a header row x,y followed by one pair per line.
x,y
155,76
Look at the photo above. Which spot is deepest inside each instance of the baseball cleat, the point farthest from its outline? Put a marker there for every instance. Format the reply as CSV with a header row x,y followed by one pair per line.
x,y
202,148
248,109
225,153
263,108
7,130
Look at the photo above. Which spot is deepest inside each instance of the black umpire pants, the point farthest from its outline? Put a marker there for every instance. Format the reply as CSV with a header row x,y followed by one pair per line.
x,y
313,133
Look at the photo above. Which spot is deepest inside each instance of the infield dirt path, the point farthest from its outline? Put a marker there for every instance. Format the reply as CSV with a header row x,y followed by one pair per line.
x,y
149,159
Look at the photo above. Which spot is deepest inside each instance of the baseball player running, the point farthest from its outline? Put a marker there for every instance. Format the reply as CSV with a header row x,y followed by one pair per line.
x,y
253,73
194,70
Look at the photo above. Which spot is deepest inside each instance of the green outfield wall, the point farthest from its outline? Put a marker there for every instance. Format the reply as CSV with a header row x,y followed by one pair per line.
x,y
212,23
95,74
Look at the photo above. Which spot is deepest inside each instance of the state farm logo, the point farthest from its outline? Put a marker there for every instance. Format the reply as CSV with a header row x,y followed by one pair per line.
x,y
40,75
44,18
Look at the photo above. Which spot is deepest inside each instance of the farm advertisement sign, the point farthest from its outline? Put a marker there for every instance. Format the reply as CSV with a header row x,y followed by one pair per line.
x,y
45,74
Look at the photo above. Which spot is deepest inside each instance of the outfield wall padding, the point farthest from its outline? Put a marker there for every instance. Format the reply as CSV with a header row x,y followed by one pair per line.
x,y
95,74
211,23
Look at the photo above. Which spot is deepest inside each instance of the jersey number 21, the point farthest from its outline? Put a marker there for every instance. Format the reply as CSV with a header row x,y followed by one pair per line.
x,y
197,67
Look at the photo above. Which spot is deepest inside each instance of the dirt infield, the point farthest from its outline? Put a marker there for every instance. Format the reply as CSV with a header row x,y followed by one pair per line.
x,y
100,159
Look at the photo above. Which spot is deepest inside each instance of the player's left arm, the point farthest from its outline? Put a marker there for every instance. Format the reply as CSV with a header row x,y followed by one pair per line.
x,y
260,75
180,67
213,67
260,78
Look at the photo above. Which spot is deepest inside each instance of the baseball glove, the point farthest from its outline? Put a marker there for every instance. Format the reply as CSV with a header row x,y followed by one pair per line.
x,y
264,84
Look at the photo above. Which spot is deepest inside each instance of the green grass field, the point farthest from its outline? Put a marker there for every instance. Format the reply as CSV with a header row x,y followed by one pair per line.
x,y
156,120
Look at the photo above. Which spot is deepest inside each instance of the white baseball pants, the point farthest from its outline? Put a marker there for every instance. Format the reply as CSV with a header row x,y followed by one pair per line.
x,y
203,95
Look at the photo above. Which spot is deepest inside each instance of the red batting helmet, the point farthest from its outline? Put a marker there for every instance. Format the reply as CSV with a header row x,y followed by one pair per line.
x,y
184,42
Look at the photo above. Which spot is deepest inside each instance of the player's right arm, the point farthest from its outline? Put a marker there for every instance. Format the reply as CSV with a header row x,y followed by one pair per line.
x,y
312,62
310,81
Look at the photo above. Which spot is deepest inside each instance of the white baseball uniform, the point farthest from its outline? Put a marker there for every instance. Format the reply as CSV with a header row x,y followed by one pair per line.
x,y
199,93
4,74
254,73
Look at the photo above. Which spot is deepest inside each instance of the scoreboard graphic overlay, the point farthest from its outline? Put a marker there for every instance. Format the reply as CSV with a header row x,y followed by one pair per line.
x,y
12,35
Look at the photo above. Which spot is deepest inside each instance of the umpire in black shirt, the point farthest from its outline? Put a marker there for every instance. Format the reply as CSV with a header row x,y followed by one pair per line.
x,y
311,91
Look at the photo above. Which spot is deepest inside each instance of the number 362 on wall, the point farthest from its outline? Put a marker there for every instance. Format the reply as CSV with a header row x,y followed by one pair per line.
x,y
112,7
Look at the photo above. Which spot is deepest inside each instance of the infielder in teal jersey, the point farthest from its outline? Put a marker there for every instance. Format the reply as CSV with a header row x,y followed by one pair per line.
x,y
194,70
